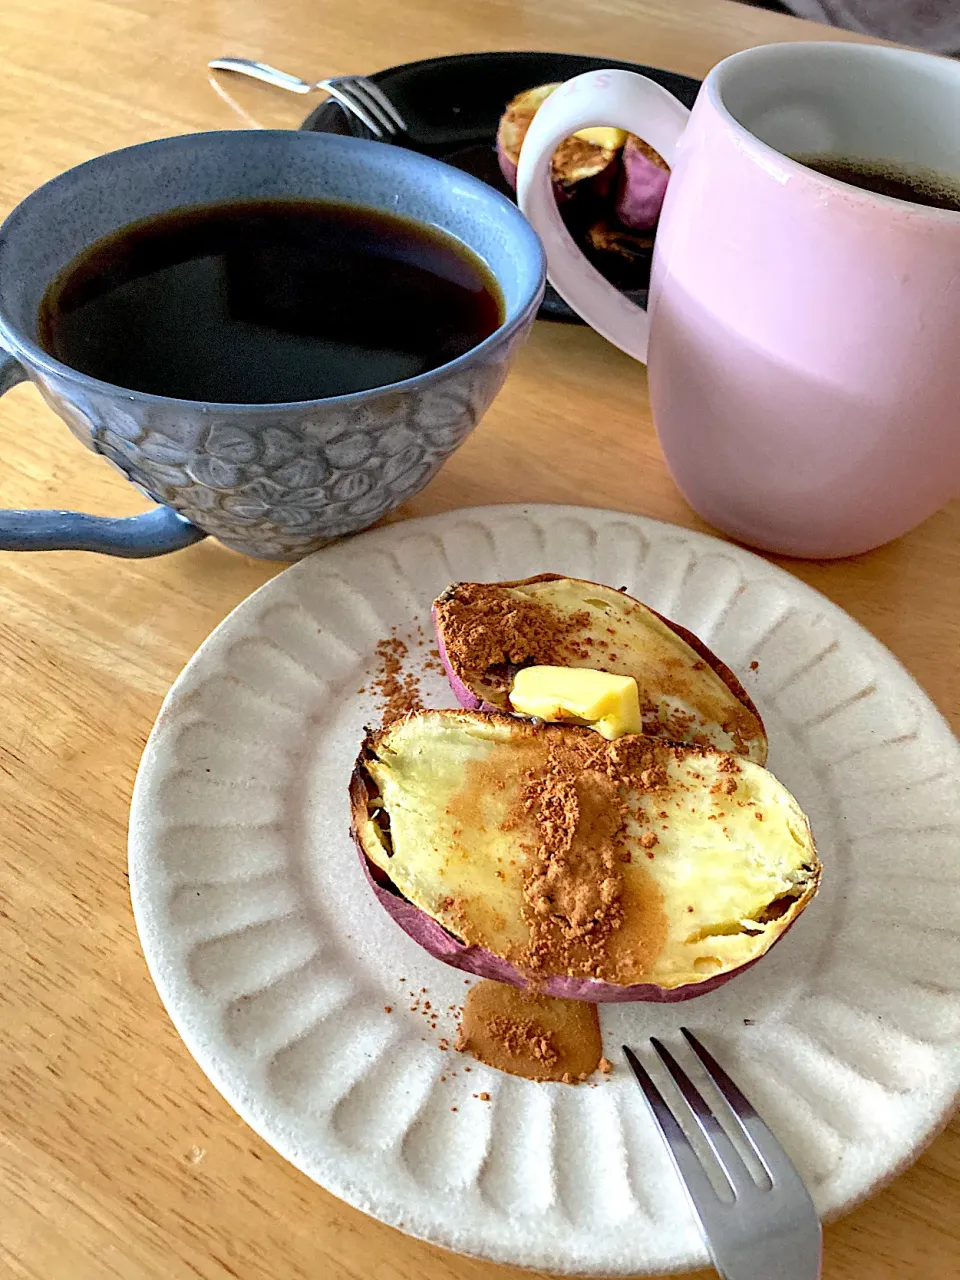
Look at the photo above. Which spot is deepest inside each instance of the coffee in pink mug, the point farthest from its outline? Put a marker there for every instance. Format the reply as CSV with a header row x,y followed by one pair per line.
x,y
802,332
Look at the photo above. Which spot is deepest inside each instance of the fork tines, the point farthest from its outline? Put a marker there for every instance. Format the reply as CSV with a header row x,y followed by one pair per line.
x,y
765,1222
368,103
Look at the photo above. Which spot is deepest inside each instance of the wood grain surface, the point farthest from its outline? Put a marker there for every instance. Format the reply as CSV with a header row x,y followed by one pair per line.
x,y
117,1157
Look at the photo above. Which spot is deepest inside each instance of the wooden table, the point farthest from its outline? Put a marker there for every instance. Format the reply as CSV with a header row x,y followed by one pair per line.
x,y
117,1157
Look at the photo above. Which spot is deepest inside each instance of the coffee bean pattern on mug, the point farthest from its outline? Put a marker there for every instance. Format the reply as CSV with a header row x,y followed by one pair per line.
x,y
286,483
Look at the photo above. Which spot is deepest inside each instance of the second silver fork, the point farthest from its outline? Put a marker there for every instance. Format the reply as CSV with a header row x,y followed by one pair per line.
x,y
356,94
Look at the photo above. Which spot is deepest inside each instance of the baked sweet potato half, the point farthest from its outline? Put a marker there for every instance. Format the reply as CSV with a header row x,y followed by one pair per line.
x,y
593,870
486,631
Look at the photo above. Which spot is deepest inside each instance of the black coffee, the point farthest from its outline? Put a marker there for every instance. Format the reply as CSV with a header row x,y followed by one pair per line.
x,y
889,179
268,300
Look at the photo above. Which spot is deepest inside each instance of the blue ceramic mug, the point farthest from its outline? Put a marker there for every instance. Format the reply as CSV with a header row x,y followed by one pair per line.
x,y
276,480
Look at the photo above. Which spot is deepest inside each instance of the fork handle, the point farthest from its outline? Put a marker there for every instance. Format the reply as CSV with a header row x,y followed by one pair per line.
x,y
261,71
784,1255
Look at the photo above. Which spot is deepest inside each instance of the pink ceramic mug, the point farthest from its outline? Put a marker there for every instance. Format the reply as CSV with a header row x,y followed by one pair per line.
x,y
802,334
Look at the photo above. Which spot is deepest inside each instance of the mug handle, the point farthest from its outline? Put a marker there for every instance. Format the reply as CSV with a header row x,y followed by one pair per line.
x,y
153,533
618,98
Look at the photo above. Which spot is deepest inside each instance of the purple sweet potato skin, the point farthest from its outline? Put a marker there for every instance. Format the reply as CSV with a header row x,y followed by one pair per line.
x,y
641,190
484,964
469,701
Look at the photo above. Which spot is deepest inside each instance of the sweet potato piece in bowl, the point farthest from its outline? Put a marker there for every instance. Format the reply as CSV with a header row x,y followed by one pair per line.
x,y
485,631
642,185
604,871
624,176
589,157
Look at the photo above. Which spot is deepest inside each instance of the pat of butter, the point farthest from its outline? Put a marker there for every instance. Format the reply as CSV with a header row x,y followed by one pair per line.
x,y
608,703
605,136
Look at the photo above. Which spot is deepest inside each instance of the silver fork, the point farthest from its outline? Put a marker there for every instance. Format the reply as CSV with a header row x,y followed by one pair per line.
x,y
765,1232
355,94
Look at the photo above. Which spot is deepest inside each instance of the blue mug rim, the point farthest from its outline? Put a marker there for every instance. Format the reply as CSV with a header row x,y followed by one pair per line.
x,y
36,357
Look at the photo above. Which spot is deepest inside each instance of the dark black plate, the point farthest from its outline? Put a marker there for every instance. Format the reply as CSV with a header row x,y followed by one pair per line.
x,y
452,106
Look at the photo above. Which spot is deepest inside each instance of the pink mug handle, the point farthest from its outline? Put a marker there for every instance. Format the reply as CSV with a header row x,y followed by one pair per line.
x,y
627,101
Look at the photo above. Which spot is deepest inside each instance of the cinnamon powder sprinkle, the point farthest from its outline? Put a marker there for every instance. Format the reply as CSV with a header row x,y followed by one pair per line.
x,y
398,692
573,886
572,883
484,626
573,797
533,1036
520,1037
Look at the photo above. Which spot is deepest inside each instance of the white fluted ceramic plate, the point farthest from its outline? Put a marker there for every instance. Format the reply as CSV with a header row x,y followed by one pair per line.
x,y
276,963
